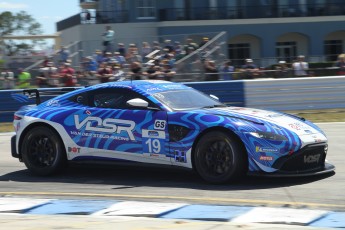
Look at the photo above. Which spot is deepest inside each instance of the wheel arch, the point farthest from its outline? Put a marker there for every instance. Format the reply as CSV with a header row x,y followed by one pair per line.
x,y
34,125
221,129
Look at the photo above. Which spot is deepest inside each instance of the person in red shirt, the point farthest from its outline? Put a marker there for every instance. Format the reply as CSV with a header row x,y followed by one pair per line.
x,y
67,75
104,73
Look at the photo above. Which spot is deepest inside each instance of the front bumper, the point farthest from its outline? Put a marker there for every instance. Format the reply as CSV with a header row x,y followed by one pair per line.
x,y
328,168
308,161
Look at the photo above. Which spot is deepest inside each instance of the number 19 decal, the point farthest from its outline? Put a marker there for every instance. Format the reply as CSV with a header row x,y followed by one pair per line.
x,y
153,141
153,145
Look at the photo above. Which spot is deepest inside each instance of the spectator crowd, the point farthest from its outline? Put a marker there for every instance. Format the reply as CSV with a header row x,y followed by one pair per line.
x,y
147,61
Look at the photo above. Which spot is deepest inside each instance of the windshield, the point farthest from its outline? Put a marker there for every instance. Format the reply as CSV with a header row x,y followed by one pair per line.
x,y
186,99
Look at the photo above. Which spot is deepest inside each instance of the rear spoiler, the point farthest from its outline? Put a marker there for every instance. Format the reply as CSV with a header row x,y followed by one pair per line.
x,y
35,93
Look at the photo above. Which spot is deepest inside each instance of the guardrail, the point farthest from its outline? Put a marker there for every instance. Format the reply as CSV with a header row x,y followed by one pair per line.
x,y
276,94
309,93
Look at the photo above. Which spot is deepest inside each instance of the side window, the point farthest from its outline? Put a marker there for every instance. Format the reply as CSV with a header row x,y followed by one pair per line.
x,y
108,100
114,98
80,99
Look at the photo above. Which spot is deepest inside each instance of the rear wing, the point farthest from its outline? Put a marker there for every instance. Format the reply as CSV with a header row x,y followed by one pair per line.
x,y
35,93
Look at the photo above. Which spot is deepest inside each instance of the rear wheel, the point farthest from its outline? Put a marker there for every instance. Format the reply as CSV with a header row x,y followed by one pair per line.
x,y
219,158
43,152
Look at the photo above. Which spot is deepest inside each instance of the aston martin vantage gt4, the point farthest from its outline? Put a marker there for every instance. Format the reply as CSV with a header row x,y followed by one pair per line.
x,y
160,122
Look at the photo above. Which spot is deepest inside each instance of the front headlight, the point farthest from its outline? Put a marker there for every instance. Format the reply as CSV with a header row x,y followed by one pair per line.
x,y
269,136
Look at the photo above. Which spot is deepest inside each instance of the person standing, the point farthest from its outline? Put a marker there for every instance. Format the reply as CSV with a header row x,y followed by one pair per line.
x,y
121,49
135,72
249,69
48,76
300,67
119,58
341,64
7,77
104,73
24,79
63,54
108,37
67,75
211,71
226,70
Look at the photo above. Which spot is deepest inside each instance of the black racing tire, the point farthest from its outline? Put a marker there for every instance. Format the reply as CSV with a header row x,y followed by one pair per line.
x,y
43,152
219,157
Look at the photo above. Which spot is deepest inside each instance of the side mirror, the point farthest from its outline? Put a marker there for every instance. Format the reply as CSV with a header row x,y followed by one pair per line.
x,y
138,102
214,97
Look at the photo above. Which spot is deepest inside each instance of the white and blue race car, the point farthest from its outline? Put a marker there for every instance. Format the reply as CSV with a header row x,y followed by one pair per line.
x,y
166,123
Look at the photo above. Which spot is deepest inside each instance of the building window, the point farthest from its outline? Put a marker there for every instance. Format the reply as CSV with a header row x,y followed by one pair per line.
x,y
286,51
332,49
238,53
146,9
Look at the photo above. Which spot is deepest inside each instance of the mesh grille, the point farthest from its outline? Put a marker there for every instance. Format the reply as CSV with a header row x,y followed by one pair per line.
x,y
309,158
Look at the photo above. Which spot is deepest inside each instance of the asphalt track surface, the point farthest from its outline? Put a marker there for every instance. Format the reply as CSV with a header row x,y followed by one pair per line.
x,y
170,185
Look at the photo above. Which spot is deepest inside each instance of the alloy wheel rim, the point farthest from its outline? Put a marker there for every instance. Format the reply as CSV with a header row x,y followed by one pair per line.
x,y
218,158
42,152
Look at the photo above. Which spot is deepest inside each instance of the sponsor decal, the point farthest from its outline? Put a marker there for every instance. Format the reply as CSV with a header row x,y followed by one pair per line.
x,y
266,158
180,156
53,103
296,126
316,139
160,124
308,131
299,126
88,112
266,149
153,89
80,99
153,133
97,135
312,159
108,125
73,150
173,86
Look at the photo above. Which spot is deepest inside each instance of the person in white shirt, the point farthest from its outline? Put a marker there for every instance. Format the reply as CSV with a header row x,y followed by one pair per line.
x,y
300,67
49,76
7,77
108,37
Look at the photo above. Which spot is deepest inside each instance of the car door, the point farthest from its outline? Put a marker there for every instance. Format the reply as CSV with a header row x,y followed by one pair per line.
x,y
118,131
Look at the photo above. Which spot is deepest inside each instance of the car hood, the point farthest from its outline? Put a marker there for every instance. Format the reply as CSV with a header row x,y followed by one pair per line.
x,y
308,133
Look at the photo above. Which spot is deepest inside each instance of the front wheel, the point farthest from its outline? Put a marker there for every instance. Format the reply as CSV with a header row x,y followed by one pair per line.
x,y
43,152
219,158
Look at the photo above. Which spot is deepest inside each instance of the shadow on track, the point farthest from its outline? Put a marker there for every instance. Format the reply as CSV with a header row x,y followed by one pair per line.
x,y
139,176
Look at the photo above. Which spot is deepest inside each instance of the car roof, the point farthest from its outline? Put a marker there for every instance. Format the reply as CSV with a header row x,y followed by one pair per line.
x,y
145,86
